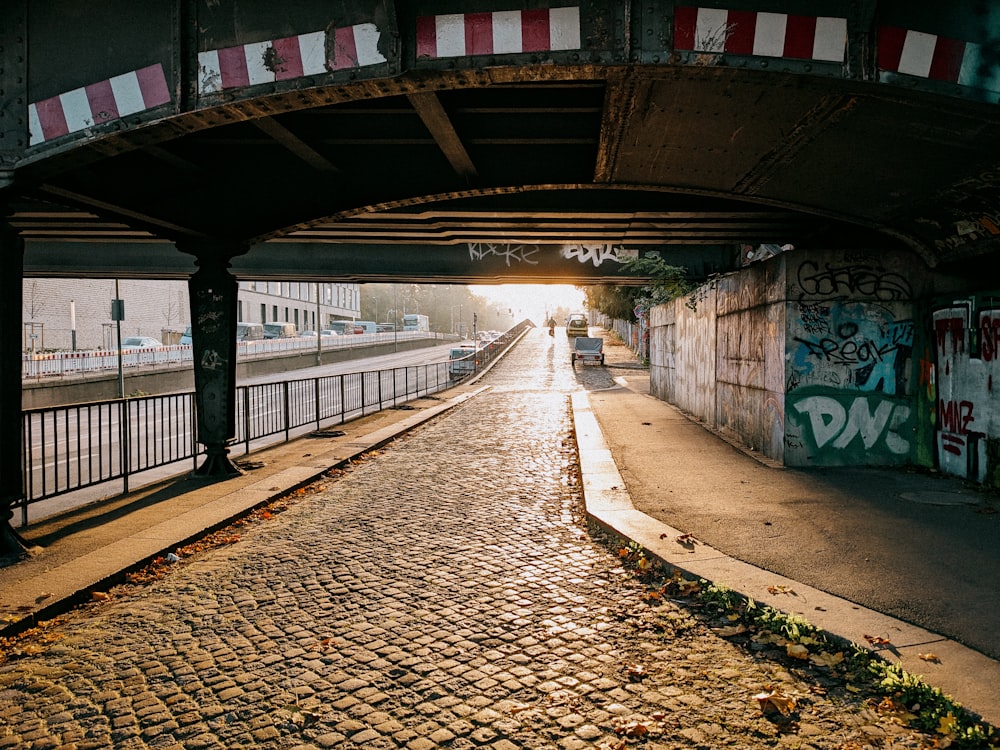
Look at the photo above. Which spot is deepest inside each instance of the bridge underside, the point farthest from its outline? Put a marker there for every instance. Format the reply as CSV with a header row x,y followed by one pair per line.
x,y
433,140
457,175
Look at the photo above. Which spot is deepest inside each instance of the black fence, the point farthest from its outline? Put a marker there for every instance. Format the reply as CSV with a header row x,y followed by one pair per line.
x,y
69,448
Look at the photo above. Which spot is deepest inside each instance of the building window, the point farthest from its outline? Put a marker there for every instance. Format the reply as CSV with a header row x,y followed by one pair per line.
x,y
263,313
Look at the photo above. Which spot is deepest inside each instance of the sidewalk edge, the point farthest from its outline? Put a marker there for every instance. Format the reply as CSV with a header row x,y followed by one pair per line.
x,y
963,673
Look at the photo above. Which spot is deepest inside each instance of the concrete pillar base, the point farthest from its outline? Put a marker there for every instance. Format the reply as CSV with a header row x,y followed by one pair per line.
x,y
217,464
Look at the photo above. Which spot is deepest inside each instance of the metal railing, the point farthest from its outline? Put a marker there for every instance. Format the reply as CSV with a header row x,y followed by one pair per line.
x,y
56,364
69,448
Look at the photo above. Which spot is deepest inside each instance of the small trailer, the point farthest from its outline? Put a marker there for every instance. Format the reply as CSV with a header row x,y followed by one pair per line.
x,y
587,349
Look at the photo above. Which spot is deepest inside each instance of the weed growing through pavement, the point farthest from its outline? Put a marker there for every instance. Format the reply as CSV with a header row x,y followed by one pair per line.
x,y
888,688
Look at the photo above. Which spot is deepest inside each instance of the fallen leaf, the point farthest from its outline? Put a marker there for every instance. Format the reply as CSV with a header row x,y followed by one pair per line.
x,y
635,672
518,708
633,729
877,640
99,596
898,713
781,590
826,659
729,632
686,587
930,657
775,700
797,651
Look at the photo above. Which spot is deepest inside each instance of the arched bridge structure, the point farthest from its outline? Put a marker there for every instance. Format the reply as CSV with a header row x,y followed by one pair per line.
x,y
482,140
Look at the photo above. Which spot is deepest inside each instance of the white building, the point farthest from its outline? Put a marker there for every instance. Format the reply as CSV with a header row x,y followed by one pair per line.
x,y
56,309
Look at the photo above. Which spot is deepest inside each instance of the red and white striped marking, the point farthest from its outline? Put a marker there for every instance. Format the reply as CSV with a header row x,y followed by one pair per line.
x,y
498,32
291,57
97,103
936,58
747,32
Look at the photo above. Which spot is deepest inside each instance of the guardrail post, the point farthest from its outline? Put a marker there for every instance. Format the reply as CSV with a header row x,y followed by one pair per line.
x,y
246,417
343,409
124,412
286,413
316,392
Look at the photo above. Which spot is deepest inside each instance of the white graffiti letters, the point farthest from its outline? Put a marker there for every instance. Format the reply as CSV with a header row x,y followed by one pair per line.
x,y
832,423
518,253
596,254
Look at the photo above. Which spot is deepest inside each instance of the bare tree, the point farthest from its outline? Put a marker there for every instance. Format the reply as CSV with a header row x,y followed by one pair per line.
x,y
34,301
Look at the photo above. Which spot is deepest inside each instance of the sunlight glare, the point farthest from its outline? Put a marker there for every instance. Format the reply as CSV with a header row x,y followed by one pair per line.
x,y
532,301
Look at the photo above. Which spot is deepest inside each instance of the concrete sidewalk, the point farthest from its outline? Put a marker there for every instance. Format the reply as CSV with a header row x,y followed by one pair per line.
x,y
910,557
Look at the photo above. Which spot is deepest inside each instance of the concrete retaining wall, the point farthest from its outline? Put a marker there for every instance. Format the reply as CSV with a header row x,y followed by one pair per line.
x,y
806,358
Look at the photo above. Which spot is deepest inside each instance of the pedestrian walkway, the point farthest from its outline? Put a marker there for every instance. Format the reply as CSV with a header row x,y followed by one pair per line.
x,y
906,559
444,592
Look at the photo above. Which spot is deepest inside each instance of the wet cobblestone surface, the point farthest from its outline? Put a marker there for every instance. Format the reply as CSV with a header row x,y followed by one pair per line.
x,y
443,593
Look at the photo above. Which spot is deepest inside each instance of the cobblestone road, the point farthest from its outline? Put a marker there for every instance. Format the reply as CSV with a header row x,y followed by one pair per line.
x,y
445,592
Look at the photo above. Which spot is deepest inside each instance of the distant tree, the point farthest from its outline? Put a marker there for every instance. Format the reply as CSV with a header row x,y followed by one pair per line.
x,y
664,282
34,301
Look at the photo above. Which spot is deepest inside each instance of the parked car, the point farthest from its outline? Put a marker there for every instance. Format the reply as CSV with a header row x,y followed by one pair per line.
x,y
280,331
244,332
462,361
345,327
140,342
308,334
577,325
249,331
329,332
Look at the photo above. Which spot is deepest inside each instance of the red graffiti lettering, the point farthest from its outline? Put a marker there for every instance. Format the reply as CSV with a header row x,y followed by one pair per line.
x,y
990,328
952,444
954,326
955,416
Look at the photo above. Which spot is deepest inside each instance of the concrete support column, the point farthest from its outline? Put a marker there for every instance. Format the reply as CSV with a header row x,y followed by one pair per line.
x,y
213,295
11,478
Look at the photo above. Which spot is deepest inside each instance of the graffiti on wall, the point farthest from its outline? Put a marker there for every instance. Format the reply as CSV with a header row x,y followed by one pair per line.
x,y
835,426
513,254
509,254
849,355
848,280
967,418
596,254
852,345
